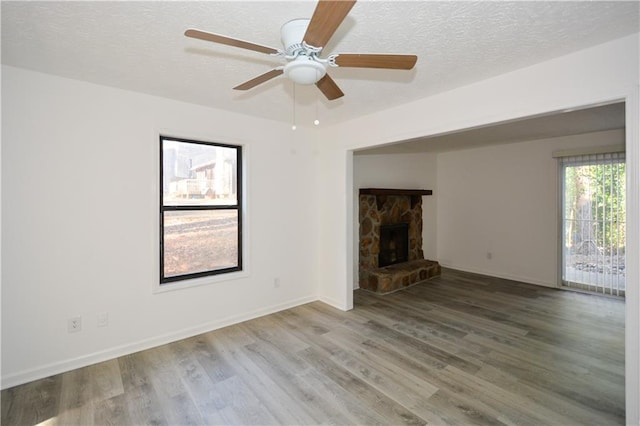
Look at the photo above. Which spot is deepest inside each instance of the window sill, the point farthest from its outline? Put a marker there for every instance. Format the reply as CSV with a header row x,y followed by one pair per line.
x,y
198,282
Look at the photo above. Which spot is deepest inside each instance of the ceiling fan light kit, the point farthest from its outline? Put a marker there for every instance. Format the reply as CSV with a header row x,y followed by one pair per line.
x,y
303,41
304,70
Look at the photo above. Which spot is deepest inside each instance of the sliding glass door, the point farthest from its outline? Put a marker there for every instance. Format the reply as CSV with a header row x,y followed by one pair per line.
x,y
593,223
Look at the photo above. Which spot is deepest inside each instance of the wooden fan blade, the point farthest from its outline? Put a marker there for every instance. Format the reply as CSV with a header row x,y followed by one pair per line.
x,y
396,62
217,38
329,88
259,79
326,19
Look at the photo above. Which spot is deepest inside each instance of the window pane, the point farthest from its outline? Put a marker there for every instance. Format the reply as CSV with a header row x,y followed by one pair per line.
x,y
198,174
200,241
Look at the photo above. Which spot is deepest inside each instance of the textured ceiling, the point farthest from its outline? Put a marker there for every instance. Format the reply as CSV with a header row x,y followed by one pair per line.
x,y
140,46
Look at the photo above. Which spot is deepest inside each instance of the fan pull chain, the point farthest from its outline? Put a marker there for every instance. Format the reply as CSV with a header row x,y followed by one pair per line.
x,y
293,127
316,121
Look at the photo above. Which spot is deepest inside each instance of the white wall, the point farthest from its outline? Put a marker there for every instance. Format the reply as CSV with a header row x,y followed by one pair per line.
x,y
600,74
503,200
80,222
407,171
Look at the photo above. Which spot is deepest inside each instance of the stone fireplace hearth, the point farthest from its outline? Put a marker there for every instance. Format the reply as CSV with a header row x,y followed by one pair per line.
x,y
393,209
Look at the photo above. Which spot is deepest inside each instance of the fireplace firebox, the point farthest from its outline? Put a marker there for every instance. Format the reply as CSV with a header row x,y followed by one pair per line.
x,y
394,244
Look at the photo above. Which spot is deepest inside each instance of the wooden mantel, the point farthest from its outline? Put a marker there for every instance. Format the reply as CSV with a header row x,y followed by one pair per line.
x,y
389,191
382,193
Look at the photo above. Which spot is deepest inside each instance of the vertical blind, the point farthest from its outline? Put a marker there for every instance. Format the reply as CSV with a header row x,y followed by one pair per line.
x,y
593,222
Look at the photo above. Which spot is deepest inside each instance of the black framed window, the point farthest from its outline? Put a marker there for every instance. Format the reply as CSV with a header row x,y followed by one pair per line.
x,y
200,209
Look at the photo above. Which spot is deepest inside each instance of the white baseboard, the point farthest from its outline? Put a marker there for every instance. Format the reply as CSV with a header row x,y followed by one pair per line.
x,y
41,372
333,303
523,279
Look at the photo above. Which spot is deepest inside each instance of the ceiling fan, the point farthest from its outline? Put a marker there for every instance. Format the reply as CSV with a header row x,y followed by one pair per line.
x,y
303,41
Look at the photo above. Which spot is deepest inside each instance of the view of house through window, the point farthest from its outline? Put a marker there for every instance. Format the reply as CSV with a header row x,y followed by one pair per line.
x,y
200,209
594,228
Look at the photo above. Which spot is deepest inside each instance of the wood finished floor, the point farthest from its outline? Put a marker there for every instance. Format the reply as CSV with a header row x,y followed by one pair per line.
x,y
459,349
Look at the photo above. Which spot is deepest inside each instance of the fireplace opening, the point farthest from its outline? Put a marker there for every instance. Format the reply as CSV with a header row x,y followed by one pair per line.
x,y
394,244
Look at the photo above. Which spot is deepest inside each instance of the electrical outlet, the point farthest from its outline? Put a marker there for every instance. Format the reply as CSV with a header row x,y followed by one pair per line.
x,y
74,324
276,283
489,255
103,319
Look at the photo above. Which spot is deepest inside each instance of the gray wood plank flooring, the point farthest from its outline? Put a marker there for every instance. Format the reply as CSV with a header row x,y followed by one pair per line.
x,y
461,349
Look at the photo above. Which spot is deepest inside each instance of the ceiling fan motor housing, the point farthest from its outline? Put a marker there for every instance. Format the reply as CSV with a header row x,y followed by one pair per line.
x,y
292,33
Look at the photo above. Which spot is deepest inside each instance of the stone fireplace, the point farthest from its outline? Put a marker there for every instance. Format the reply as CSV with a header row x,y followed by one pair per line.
x,y
391,256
